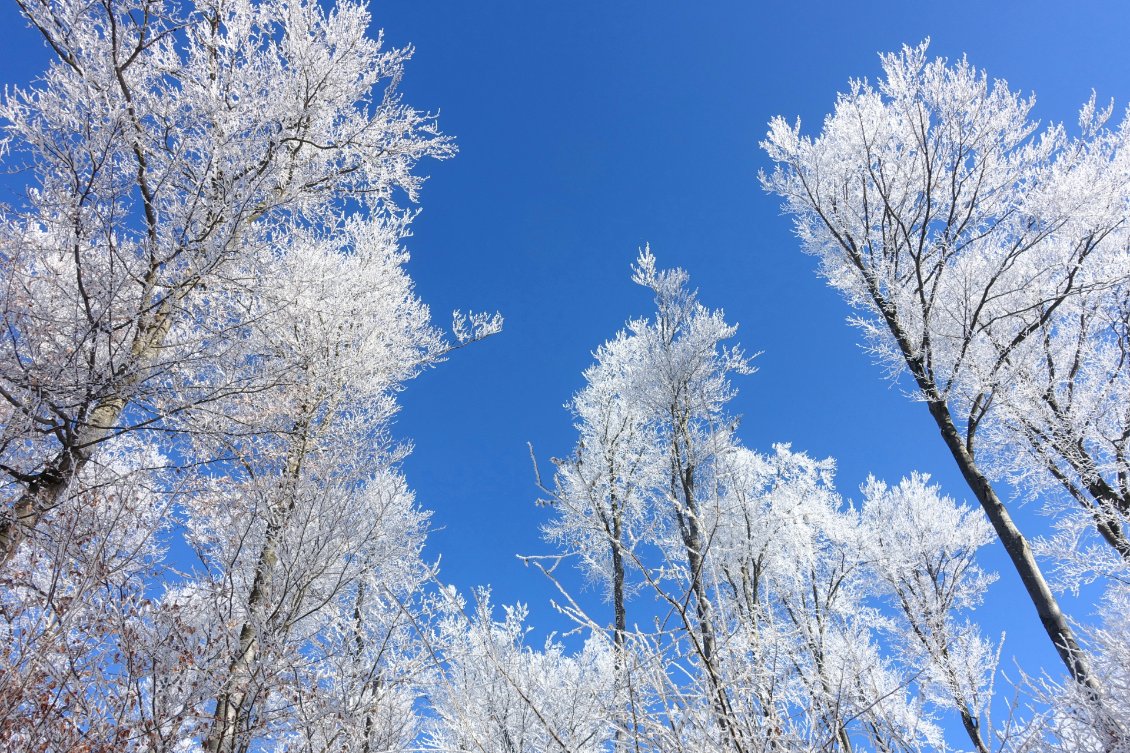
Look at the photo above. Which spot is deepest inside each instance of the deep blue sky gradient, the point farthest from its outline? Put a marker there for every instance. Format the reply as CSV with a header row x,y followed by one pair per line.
x,y
589,128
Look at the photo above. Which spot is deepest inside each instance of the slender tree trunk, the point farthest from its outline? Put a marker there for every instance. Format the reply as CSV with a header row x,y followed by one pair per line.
x,y
695,545
719,701
973,729
1051,617
373,687
358,652
230,721
620,615
620,619
232,709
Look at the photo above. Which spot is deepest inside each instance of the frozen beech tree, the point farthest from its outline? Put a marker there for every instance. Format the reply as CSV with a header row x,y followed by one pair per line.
x,y
920,547
206,544
782,618
172,146
295,627
988,259
599,493
311,540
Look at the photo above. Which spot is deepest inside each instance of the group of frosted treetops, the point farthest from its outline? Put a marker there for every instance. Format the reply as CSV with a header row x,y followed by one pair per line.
x,y
205,540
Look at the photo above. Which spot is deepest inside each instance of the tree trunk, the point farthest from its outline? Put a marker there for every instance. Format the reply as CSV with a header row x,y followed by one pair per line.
x,y
232,709
1054,622
233,712
52,483
620,619
695,546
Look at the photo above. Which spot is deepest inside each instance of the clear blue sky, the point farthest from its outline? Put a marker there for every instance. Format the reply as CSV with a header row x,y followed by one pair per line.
x,y
589,128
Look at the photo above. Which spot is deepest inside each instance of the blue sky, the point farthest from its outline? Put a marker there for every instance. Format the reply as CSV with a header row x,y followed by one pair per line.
x,y
589,128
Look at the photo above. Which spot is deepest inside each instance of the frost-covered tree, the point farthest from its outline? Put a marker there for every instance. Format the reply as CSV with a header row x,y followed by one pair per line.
x,y
989,260
599,491
682,367
311,534
207,322
920,547
172,147
496,694
600,494
294,628
781,619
